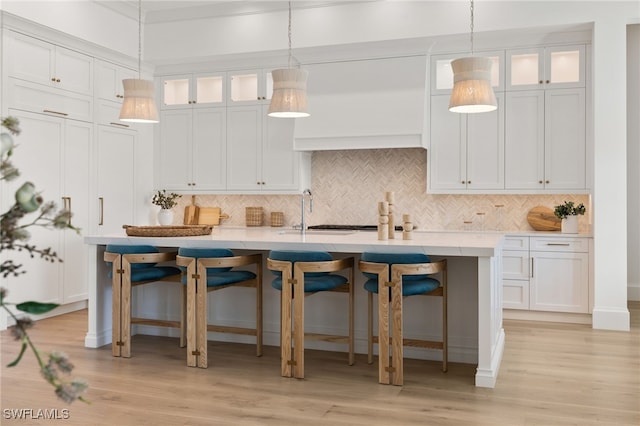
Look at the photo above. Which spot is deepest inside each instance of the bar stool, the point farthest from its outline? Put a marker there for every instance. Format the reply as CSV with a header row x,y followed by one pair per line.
x,y
300,273
209,270
407,275
135,265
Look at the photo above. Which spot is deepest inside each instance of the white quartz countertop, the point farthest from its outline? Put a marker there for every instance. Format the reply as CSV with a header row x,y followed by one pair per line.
x,y
266,238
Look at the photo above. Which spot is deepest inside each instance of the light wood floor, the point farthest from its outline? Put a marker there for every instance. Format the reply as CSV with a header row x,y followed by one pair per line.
x,y
551,374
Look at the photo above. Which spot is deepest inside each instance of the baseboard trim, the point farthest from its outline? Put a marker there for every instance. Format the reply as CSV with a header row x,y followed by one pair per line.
x,y
633,291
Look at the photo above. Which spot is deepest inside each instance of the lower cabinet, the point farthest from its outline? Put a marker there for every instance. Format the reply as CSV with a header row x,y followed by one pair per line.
x,y
54,154
546,274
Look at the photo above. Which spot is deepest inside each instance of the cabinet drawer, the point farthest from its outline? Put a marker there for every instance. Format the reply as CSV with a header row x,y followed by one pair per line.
x,y
516,243
109,113
41,99
515,294
580,245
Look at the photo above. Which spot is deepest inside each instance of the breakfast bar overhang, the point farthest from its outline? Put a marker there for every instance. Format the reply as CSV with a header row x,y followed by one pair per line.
x,y
484,247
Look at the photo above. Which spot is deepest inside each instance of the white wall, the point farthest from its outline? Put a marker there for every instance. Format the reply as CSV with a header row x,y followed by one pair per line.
x,y
633,160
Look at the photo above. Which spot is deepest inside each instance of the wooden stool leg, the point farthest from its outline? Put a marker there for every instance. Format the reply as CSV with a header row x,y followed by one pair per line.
x,y
383,333
259,309
116,301
445,325
370,327
191,315
183,316
201,317
125,309
285,323
352,359
397,340
298,328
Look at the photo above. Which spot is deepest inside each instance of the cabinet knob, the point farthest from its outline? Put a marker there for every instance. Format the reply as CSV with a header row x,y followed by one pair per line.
x,y
463,182
262,183
53,79
546,181
548,81
468,181
540,182
540,82
57,80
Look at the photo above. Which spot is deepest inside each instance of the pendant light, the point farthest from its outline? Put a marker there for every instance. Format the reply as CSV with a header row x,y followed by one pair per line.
x,y
472,91
139,105
289,99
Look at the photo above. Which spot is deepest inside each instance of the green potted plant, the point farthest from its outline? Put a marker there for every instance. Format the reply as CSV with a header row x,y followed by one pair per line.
x,y
568,213
166,202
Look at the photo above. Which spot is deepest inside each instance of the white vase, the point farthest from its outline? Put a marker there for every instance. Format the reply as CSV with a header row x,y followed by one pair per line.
x,y
570,224
165,217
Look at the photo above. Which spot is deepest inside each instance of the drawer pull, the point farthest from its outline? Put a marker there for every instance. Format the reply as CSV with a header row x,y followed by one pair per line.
x,y
119,124
559,244
101,220
55,112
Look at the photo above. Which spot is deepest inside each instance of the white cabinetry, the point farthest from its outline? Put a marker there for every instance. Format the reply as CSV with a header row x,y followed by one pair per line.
x,y
195,90
48,64
550,67
467,150
109,80
54,154
260,155
546,274
192,152
249,87
116,184
545,142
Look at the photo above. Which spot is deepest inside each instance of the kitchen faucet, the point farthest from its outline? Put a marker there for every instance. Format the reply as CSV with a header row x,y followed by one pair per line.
x,y
303,226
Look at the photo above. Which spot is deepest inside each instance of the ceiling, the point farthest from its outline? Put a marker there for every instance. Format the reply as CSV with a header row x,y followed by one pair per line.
x,y
170,10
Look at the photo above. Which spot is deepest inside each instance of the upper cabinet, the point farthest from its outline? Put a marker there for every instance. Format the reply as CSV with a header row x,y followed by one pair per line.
x,y
546,68
48,64
376,103
109,80
193,90
248,87
442,74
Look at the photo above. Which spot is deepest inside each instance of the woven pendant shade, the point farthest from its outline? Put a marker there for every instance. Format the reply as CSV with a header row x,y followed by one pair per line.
x,y
139,105
289,99
472,91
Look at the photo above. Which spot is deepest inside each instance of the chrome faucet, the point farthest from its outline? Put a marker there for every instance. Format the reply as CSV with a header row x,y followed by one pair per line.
x,y
303,226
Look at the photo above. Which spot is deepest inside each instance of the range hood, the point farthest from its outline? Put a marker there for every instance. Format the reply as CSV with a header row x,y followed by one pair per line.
x,y
364,104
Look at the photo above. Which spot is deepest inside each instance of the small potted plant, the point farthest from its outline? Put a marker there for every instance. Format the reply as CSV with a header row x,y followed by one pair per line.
x,y
166,202
568,213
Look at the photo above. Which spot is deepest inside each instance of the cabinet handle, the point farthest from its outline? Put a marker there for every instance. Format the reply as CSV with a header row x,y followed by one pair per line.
x,y
64,114
532,267
101,221
119,124
67,206
558,244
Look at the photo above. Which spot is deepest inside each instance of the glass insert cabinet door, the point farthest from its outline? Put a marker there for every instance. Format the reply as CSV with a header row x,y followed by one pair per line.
x,y
250,86
542,68
442,74
193,90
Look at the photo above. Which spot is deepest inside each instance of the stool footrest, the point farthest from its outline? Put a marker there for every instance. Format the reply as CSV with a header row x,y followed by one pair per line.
x,y
155,322
234,330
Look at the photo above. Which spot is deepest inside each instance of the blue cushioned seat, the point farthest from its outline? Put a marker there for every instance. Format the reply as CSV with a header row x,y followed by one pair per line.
x,y
411,284
215,276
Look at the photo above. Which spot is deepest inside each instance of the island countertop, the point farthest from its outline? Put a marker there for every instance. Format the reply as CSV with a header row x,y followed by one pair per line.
x,y
263,238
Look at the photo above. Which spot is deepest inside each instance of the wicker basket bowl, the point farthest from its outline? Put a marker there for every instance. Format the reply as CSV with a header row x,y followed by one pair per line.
x,y
254,216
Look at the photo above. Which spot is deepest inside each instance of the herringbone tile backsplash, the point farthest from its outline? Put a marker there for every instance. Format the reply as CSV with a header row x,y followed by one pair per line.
x,y
347,186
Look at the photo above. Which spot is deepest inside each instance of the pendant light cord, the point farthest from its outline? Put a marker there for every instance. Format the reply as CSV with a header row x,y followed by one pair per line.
x,y
471,27
289,34
139,39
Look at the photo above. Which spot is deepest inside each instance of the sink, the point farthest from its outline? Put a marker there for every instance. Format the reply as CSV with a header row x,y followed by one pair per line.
x,y
314,232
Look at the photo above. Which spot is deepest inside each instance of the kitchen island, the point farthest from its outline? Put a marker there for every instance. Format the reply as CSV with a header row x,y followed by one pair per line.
x,y
483,250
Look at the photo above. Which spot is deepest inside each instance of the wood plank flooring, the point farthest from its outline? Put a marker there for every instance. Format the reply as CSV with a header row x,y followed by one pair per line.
x,y
551,374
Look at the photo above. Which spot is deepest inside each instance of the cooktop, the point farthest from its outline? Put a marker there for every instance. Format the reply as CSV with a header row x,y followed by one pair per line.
x,y
351,227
